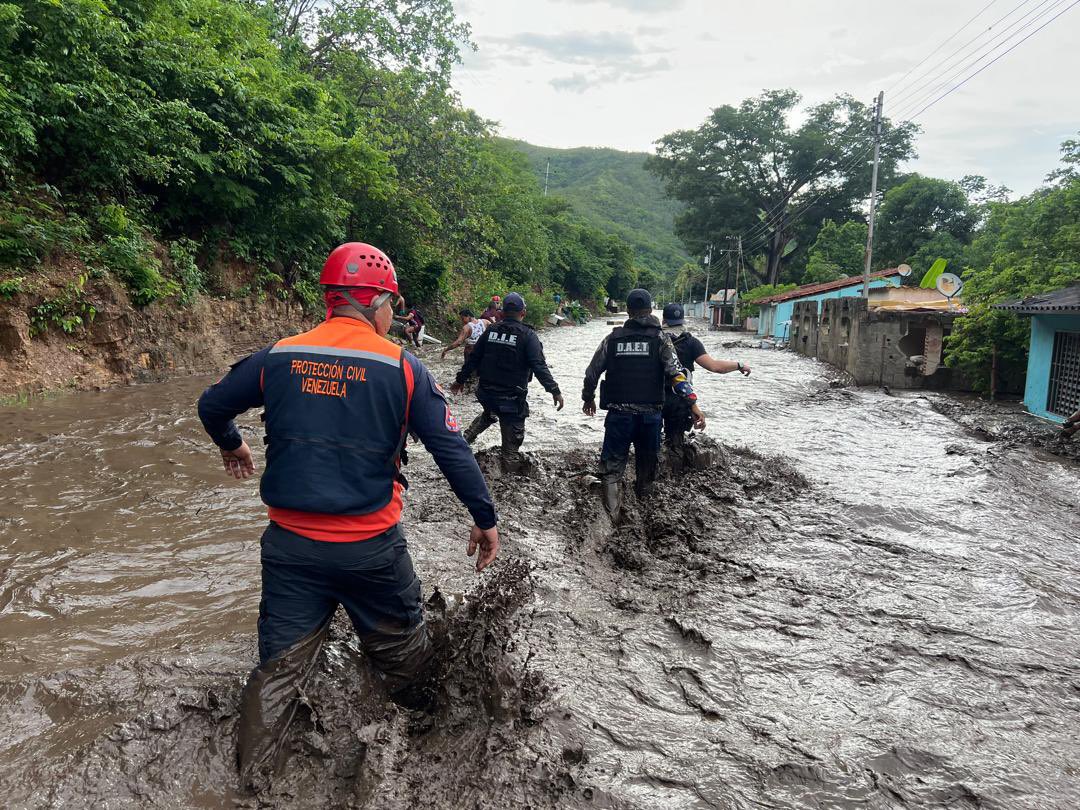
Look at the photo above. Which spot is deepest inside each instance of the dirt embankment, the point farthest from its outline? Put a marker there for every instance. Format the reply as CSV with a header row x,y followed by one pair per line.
x,y
1008,425
122,343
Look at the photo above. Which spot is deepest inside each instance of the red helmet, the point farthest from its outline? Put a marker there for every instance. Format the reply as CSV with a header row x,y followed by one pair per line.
x,y
496,299
357,264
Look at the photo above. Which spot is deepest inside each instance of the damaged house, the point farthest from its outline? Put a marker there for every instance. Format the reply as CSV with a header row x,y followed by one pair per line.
x,y
895,339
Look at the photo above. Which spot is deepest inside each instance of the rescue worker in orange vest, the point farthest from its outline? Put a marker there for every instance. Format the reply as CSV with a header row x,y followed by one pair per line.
x,y
338,403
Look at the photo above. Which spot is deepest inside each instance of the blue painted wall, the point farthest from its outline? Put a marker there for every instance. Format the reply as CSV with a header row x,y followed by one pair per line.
x,y
1041,353
775,319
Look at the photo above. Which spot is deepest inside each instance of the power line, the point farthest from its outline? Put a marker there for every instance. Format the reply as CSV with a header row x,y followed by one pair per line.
x,y
1011,48
951,37
935,85
906,91
765,231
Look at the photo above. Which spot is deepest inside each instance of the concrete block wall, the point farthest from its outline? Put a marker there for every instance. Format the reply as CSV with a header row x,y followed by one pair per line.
x,y
875,346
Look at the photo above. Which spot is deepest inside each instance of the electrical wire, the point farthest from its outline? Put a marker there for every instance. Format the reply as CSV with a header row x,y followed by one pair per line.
x,y
946,60
1001,55
951,37
759,235
935,85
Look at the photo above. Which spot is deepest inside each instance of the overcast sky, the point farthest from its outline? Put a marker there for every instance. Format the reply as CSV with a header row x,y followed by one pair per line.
x,y
622,73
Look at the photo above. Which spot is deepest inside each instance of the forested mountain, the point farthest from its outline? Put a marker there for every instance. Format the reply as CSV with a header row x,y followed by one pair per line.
x,y
152,142
613,191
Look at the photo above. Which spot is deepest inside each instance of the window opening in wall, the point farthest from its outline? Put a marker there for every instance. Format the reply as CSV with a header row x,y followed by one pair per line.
x,y
1063,398
914,342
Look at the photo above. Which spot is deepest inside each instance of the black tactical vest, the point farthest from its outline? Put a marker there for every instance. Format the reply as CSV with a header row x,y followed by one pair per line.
x,y
504,365
634,374
681,342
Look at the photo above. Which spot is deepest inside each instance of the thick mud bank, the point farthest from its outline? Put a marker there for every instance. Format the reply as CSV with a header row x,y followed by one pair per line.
x,y
1008,425
861,604
499,737
121,343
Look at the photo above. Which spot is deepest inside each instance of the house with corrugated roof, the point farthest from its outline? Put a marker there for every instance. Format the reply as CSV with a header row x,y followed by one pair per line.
x,y
1052,389
774,313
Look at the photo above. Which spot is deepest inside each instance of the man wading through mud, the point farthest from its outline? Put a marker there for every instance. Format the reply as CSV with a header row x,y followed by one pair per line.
x,y
678,418
469,336
506,356
339,401
638,363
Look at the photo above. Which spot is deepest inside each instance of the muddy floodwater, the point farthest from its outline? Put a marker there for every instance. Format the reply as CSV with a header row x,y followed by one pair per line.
x,y
862,604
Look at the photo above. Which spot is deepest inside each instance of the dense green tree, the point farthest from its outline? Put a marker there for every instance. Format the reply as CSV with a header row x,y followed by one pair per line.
x,y
747,166
612,191
1026,247
838,251
923,219
268,130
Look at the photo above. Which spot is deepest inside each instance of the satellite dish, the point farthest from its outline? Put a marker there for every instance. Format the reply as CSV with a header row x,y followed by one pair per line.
x,y
905,270
949,285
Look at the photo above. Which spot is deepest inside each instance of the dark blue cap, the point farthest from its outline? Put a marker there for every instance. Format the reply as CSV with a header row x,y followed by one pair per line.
x,y
513,303
638,299
674,315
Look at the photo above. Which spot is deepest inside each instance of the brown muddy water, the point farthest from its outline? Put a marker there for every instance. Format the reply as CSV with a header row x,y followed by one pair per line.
x,y
863,604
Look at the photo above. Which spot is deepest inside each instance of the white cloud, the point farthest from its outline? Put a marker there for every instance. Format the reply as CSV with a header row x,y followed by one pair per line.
x,y
601,73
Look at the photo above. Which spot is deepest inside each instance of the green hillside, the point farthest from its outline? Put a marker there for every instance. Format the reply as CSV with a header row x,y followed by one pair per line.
x,y
612,190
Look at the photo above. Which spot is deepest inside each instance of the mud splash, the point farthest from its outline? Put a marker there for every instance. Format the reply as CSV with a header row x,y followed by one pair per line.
x,y
484,746
862,604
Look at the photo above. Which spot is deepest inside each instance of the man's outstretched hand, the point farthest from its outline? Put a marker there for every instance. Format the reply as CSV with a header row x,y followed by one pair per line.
x,y
239,463
559,401
487,540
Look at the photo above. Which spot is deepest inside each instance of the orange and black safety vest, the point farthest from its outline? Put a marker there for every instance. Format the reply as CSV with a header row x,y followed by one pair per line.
x,y
336,408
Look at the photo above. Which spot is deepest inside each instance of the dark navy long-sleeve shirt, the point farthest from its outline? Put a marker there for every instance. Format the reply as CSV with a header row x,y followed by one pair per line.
x,y
429,419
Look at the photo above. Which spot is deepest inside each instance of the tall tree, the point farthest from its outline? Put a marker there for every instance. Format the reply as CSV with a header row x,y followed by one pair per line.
x,y
422,36
926,218
747,167
837,252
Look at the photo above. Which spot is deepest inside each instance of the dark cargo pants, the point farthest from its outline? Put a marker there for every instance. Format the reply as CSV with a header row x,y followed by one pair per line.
x,y
303,582
677,421
621,430
509,412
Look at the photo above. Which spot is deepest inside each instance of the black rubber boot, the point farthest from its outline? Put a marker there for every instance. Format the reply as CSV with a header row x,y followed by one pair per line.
x,y
478,425
404,661
611,496
268,705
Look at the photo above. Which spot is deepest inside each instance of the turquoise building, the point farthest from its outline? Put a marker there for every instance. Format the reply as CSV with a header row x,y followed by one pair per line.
x,y
774,314
1052,390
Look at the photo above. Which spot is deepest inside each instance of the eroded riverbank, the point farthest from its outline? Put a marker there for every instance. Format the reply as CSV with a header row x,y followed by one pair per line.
x,y
867,606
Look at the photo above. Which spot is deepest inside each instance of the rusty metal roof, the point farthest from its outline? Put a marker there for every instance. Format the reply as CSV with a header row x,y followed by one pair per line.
x,y
826,286
1061,302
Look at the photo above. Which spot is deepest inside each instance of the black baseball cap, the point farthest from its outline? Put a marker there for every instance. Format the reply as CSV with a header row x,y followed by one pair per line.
x,y
674,315
513,303
638,299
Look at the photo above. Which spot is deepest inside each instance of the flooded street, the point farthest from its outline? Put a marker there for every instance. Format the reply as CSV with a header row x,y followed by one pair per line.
x,y
863,605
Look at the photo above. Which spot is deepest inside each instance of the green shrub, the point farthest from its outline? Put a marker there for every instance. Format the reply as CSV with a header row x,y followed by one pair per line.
x,y
34,227
188,274
747,307
68,310
9,287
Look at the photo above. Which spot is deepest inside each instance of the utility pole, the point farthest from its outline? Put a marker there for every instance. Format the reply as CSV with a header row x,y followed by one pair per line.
x,y
873,197
737,281
708,273
547,171
727,286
